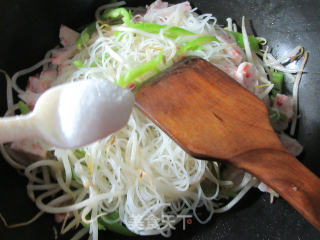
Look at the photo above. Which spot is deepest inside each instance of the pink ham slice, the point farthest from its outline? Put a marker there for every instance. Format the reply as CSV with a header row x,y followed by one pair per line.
x,y
67,36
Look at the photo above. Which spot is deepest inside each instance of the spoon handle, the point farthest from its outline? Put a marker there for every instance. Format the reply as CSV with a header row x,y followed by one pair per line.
x,y
16,127
287,176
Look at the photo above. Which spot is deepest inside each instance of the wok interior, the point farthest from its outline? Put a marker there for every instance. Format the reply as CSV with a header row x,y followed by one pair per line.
x,y
29,28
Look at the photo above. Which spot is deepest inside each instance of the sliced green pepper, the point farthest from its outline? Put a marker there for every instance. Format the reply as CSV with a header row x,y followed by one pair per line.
x,y
253,42
174,32
116,13
133,73
85,35
196,43
79,153
277,79
116,227
80,64
275,115
170,32
24,108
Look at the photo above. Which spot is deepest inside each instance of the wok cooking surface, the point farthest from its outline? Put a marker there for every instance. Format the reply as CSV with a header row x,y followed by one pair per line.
x,y
29,28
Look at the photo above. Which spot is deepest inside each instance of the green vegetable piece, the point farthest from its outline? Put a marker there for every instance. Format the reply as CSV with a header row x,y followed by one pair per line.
x,y
116,13
228,193
93,64
196,43
148,27
78,63
79,153
174,32
140,70
24,108
253,42
277,79
75,177
275,115
85,35
170,32
116,227
208,188
283,117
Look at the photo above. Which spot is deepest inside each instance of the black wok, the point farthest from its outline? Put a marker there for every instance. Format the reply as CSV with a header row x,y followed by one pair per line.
x,y
29,28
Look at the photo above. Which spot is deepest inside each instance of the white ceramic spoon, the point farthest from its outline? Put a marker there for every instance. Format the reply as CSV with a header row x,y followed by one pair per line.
x,y
72,115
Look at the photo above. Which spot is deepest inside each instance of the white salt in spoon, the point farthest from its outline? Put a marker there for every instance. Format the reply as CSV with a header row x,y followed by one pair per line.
x,y
72,115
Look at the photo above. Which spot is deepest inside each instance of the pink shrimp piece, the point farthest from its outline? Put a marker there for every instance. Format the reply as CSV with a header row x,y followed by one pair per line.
x,y
229,69
67,36
184,7
30,98
37,85
236,53
33,85
30,146
224,37
284,104
156,6
246,75
49,76
59,56
291,144
65,68
161,10
59,217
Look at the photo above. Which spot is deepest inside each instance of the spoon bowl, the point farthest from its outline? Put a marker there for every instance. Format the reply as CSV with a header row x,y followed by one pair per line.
x,y
73,114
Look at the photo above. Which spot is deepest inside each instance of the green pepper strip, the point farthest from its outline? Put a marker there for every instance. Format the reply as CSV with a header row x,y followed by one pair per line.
x,y
277,79
118,12
24,109
85,35
196,43
91,28
253,42
140,70
80,64
209,189
116,227
276,115
170,32
79,153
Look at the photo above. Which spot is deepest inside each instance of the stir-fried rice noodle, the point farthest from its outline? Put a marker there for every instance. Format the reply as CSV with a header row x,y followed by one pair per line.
x,y
139,172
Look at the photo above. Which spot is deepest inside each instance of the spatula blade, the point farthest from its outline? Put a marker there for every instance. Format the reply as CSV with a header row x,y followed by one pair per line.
x,y
205,111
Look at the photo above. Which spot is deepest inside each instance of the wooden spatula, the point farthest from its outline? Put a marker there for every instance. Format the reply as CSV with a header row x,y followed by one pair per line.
x,y
211,116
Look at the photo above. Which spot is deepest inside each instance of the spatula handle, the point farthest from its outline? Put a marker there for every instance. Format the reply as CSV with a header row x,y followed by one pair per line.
x,y
16,127
287,176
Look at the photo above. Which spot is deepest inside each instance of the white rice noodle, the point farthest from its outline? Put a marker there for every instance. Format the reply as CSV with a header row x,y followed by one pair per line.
x,y
238,197
80,234
229,22
35,218
295,94
246,41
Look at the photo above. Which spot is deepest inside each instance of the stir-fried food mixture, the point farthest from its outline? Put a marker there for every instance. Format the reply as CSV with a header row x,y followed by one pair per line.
x,y
138,180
